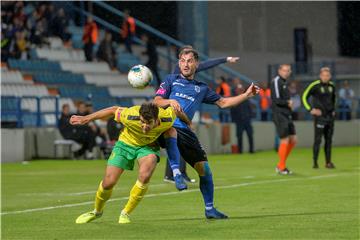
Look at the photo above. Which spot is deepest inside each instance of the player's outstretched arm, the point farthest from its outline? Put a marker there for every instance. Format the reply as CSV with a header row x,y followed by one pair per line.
x,y
183,117
236,100
101,114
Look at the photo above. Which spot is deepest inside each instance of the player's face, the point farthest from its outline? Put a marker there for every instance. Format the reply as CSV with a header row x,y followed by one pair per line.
x,y
188,65
146,126
325,76
285,71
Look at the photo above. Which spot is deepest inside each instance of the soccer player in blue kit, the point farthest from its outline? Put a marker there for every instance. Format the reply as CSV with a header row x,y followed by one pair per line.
x,y
183,93
176,171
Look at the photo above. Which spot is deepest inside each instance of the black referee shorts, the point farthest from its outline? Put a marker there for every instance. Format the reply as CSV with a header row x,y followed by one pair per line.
x,y
189,146
284,125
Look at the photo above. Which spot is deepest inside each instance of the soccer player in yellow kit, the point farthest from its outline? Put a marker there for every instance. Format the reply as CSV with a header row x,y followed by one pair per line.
x,y
142,126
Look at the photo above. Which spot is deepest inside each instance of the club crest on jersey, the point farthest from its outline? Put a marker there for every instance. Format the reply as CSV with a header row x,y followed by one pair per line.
x,y
197,89
330,89
322,89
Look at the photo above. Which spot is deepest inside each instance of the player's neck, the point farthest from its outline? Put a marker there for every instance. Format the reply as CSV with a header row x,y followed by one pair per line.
x,y
188,78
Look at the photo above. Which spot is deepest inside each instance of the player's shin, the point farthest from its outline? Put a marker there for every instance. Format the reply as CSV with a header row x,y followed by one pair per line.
x,y
102,195
207,187
136,195
173,154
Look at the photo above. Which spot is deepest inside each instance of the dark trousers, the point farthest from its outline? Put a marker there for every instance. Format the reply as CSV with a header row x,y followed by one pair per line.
x,y
264,116
128,42
86,139
88,50
326,129
240,128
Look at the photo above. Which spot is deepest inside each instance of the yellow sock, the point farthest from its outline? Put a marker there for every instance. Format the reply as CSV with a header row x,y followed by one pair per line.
x,y
102,195
136,194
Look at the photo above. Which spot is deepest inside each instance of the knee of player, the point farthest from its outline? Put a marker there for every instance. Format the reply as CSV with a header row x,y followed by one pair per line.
x,y
171,133
203,168
108,182
144,177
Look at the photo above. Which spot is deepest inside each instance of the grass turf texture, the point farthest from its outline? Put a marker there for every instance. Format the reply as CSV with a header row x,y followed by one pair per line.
x,y
311,204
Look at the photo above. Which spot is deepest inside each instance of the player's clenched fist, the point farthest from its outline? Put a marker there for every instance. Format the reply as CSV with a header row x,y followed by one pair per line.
x,y
78,120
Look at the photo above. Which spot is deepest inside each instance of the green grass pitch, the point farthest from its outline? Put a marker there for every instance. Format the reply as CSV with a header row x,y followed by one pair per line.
x,y
42,199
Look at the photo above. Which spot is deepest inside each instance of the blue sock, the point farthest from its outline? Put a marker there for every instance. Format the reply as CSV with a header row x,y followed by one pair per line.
x,y
207,188
173,153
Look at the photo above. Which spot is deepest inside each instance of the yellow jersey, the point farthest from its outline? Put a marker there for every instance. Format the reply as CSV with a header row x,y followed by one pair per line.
x,y
132,133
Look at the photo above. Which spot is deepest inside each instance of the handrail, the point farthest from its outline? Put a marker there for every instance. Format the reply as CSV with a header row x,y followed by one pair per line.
x,y
169,39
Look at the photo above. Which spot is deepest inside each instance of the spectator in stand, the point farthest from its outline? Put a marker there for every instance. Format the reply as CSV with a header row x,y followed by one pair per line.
x,y
75,133
89,38
60,26
241,116
87,131
21,46
106,51
128,30
50,15
346,95
224,90
152,57
296,99
265,101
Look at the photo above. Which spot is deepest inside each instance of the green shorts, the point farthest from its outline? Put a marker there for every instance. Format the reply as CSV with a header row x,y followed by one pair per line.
x,y
123,155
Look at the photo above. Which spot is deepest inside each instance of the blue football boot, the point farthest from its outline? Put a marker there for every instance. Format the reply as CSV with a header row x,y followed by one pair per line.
x,y
214,214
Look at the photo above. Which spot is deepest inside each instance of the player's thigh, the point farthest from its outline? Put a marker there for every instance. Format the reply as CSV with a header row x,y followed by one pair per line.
x,y
190,147
111,177
147,165
148,157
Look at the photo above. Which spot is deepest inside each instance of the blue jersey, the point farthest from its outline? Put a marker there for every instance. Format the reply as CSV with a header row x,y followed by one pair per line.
x,y
189,94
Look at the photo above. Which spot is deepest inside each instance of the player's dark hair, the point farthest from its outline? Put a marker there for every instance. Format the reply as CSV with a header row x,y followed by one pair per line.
x,y
189,50
149,111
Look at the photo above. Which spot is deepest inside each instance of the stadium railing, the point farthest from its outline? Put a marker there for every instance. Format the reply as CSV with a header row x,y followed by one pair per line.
x,y
169,41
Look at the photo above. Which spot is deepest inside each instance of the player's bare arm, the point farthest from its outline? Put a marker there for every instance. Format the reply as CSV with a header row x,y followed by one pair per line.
x,y
164,103
183,117
101,114
233,101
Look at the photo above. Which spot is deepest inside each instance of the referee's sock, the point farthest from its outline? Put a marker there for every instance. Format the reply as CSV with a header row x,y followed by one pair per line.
x,y
173,154
289,148
282,152
207,188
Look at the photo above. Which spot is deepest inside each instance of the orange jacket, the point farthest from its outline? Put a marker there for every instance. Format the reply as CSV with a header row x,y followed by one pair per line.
x,y
129,22
224,90
265,95
90,33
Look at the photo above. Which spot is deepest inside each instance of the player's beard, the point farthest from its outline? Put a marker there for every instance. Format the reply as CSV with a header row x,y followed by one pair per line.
x,y
189,75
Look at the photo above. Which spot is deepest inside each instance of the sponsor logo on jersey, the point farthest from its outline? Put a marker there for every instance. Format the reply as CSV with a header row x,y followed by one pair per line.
x,y
176,83
184,96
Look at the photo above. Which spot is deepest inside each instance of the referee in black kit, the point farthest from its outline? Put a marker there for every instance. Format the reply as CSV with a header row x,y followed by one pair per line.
x,y
282,110
322,107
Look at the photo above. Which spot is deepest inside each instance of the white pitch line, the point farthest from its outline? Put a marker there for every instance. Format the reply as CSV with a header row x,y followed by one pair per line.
x,y
78,193
285,179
